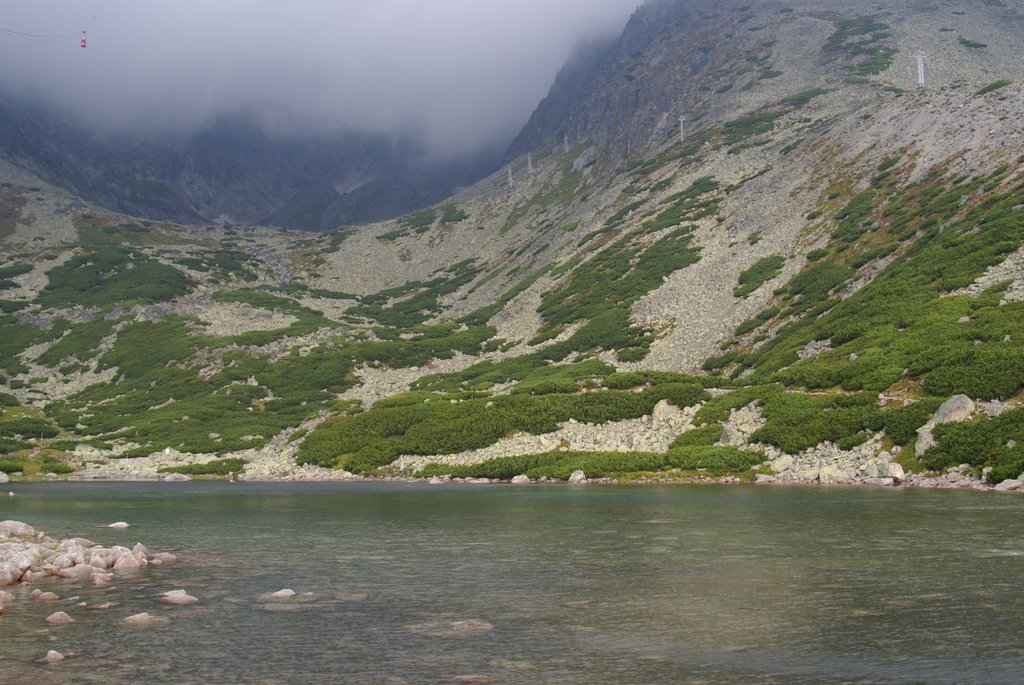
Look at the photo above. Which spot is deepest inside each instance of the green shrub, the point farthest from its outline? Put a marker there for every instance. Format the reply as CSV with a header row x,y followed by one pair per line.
x,y
216,467
901,423
560,465
985,442
761,271
27,428
705,435
12,465
717,460
995,85
108,274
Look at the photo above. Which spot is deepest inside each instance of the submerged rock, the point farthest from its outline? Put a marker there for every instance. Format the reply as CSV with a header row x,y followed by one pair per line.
x,y
59,618
465,628
118,524
178,597
142,620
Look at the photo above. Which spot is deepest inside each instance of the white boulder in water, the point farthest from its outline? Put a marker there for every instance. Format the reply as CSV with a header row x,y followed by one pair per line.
x,y
179,597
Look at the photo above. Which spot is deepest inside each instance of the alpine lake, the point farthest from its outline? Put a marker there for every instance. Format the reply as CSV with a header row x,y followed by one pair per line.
x,y
416,583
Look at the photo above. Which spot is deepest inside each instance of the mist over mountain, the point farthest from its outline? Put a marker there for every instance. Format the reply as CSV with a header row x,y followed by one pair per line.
x,y
308,115
235,172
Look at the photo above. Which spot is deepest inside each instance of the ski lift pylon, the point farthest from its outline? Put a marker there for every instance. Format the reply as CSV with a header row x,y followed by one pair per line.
x,y
83,39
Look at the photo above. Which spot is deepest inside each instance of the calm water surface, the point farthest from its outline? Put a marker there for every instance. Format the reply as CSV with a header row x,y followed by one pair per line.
x,y
680,584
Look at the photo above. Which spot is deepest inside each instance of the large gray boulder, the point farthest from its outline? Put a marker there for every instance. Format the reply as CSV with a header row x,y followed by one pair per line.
x,y
894,471
956,408
578,477
833,473
16,528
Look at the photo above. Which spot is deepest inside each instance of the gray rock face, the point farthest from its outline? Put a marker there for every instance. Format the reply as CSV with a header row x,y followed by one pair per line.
x,y
663,411
783,463
834,474
1009,485
4,478
956,408
520,479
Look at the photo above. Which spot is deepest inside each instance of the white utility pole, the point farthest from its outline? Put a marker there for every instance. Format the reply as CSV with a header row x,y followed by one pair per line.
x,y
920,68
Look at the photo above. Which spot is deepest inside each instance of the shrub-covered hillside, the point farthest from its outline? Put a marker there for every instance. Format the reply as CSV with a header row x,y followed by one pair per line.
x,y
820,277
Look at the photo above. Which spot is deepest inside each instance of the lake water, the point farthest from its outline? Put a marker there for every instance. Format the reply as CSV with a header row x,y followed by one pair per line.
x,y
414,583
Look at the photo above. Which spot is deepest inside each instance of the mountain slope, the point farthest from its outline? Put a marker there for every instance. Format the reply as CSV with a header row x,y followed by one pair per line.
x,y
822,281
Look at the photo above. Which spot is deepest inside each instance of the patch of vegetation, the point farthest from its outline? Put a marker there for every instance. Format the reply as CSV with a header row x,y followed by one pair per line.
x,y
759,273
451,214
862,44
802,98
967,43
995,85
413,303
19,336
26,427
226,264
10,271
997,442
420,221
560,465
80,342
33,467
107,274
216,467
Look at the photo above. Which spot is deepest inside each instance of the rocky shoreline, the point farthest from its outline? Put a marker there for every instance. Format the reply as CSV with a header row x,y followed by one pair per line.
x,y
827,473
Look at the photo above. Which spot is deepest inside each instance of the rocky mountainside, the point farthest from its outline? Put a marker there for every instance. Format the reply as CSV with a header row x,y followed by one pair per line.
x,y
232,172
822,279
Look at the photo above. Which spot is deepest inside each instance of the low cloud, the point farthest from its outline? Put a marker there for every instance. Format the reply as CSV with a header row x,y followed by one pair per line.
x,y
457,75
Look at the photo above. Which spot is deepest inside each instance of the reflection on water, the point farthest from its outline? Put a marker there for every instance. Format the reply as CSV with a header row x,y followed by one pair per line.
x,y
446,584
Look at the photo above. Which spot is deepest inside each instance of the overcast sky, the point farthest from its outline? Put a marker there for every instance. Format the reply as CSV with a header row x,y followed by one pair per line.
x,y
456,73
